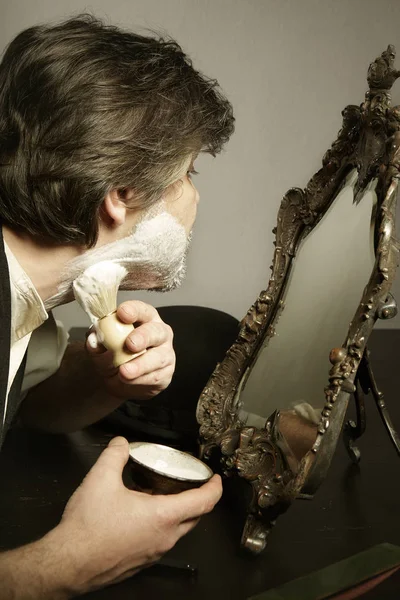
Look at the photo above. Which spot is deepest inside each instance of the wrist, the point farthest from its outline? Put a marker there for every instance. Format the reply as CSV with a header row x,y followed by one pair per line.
x,y
86,567
69,572
56,566
36,571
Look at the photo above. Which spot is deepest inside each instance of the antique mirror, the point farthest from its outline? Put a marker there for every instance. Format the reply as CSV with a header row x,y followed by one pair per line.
x,y
275,407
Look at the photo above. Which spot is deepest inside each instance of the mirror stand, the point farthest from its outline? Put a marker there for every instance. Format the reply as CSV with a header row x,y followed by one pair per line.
x,y
365,383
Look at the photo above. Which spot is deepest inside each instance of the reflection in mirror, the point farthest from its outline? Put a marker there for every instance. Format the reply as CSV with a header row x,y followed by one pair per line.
x,y
331,269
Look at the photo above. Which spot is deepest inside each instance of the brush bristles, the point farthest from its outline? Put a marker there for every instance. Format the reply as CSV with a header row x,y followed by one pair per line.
x,y
96,289
103,301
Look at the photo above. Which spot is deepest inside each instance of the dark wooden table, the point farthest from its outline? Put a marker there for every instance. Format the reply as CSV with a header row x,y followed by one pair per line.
x,y
354,509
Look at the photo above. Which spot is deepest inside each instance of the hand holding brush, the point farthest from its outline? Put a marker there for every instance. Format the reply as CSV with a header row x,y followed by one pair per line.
x,y
96,292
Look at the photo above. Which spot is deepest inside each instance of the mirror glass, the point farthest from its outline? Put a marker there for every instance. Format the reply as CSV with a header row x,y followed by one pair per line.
x,y
331,269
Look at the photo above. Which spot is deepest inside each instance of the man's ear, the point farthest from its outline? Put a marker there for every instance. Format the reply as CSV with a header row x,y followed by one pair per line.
x,y
114,207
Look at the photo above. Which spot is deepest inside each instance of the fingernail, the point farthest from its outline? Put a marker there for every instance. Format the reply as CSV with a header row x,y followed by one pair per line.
x,y
92,340
135,342
126,310
118,441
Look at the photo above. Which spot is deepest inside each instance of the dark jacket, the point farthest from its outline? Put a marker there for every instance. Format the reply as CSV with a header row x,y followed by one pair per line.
x,y
5,336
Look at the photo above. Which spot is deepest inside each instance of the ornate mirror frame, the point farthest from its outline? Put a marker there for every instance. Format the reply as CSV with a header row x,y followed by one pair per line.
x,y
370,142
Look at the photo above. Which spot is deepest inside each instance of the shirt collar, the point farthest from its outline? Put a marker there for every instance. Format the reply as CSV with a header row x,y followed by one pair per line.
x,y
27,308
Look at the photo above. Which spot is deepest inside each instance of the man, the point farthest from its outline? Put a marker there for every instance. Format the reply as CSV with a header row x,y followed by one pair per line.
x,y
99,130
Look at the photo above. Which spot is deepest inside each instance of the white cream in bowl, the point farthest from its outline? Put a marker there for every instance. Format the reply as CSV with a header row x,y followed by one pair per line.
x,y
169,462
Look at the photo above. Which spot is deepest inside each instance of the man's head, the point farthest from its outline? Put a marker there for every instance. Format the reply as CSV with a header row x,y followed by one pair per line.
x,y
97,124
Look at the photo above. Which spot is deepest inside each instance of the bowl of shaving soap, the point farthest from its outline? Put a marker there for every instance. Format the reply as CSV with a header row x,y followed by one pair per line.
x,y
158,469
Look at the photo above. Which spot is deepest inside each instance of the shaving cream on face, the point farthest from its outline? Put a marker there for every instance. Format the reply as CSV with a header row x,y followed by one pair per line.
x,y
154,255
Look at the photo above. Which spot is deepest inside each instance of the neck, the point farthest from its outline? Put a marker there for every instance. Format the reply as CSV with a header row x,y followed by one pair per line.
x,y
42,263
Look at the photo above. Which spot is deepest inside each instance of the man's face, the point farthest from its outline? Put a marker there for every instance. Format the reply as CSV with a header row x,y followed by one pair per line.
x,y
153,250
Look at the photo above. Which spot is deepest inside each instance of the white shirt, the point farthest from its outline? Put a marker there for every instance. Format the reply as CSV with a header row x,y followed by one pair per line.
x,y
31,324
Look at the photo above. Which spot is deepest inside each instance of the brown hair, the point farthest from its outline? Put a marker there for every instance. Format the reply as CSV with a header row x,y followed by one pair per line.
x,y
85,108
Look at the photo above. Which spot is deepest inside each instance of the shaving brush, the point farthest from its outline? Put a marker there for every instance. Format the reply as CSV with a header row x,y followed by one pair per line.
x,y
96,292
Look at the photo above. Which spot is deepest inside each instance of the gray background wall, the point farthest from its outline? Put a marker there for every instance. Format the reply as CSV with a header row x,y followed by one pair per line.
x,y
289,67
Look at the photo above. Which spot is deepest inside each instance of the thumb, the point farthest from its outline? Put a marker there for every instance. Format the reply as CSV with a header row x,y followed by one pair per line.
x,y
112,460
93,346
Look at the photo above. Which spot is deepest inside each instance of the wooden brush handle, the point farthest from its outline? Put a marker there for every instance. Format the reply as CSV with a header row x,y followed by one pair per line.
x,y
112,334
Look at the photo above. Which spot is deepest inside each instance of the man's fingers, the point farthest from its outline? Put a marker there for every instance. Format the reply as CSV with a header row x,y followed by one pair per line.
x,y
190,505
135,311
111,461
150,385
153,360
148,335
